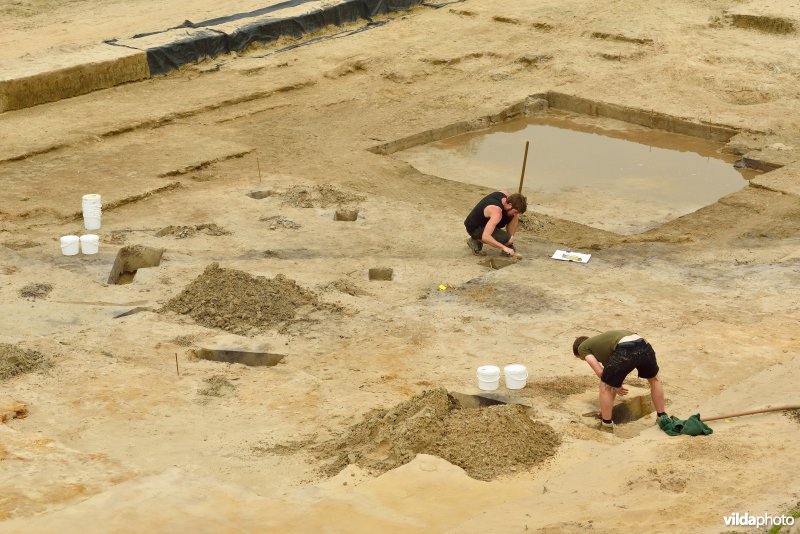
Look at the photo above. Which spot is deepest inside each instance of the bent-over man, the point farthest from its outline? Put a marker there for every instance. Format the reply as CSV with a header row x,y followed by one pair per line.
x,y
612,356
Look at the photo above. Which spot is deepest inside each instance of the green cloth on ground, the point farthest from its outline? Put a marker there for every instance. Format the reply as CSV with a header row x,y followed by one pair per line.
x,y
690,427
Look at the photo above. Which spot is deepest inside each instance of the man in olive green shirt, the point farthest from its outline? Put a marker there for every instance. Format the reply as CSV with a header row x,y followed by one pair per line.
x,y
612,356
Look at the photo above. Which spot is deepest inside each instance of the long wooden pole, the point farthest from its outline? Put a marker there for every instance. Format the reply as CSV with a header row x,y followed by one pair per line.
x,y
524,162
762,410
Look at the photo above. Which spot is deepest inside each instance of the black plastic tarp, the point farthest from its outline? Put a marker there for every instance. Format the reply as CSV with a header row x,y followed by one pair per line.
x,y
181,51
206,41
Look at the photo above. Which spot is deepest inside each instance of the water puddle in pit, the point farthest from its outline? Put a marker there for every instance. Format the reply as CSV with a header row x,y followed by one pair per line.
x,y
600,172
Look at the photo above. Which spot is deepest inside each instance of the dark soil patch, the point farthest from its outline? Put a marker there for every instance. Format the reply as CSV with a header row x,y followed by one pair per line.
x,y
216,386
35,291
283,449
344,286
237,302
20,245
555,390
486,442
794,415
183,341
511,298
15,361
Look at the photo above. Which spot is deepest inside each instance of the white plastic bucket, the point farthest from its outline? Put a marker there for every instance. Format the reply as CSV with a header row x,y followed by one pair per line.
x,y
90,243
92,211
91,223
488,377
516,376
70,245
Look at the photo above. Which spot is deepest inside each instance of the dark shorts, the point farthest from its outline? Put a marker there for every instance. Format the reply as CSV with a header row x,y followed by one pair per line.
x,y
626,357
500,235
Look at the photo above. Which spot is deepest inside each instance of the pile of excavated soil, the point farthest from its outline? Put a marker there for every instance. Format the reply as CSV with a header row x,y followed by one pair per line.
x,y
182,232
238,302
16,361
319,196
279,221
485,442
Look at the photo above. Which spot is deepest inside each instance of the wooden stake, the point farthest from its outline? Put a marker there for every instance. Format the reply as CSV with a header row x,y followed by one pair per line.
x,y
259,169
176,365
762,410
524,162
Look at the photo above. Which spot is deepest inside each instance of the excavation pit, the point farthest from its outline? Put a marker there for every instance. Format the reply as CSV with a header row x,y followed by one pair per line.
x,y
632,409
499,262
635,177
381,274
468,401
253,359
259,195
629,410
130,259
345,215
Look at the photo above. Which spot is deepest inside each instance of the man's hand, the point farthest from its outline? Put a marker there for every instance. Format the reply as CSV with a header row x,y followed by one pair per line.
x,y
509,251
621,391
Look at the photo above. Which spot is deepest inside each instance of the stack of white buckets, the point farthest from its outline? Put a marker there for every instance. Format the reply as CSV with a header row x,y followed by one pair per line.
x,y
489,376
87,243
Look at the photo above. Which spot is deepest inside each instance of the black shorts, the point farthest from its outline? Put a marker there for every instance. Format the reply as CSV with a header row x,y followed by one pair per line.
x,y
499,234
626,357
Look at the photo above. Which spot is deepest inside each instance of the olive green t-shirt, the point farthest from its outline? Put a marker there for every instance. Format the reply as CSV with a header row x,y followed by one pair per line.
x,y
602,345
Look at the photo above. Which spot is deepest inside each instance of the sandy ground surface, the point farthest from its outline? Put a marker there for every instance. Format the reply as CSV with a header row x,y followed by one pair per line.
x,y
104,434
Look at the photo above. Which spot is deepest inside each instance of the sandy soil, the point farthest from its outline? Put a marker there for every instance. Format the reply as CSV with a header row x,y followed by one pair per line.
x,y
116,425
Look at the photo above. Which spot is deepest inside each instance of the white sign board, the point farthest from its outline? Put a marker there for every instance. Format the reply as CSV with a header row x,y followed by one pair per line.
x,y
568,255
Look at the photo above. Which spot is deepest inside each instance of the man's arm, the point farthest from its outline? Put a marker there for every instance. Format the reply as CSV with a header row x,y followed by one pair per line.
x,y
512,226
495,215
598,370
594,364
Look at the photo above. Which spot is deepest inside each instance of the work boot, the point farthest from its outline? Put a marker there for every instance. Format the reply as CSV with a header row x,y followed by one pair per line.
x,y
606,427
474,245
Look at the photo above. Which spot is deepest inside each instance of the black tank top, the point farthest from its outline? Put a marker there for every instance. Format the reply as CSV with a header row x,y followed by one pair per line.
x,y
477,219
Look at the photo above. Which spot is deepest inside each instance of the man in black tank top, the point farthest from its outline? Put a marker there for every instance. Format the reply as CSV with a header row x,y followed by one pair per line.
x,y
494,221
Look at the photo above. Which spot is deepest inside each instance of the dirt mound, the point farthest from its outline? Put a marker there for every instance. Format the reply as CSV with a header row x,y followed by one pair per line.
x,y
238,302
16,361
182,232
485,442
319,196
279,221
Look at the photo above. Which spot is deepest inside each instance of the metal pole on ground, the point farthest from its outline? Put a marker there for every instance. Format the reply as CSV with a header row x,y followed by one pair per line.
x,y
762,410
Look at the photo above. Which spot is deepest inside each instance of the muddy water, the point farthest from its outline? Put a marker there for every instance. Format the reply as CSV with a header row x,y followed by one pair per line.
x,y
608,174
